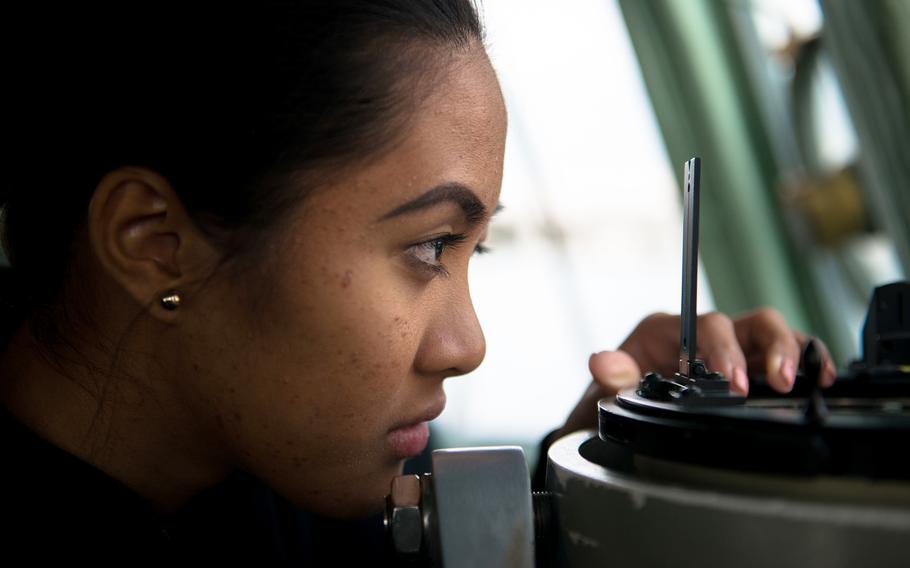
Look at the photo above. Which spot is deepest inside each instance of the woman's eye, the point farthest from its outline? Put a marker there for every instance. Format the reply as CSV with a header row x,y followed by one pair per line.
x,y
429,253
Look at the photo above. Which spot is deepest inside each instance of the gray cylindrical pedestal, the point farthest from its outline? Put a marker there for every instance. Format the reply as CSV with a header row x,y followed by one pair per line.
x,y
658,514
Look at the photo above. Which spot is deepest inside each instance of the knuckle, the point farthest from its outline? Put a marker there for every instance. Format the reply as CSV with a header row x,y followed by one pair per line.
x,y
654,320
717,321
767,313
656,317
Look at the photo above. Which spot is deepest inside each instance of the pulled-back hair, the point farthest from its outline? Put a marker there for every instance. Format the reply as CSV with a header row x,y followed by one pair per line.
x,y
226,101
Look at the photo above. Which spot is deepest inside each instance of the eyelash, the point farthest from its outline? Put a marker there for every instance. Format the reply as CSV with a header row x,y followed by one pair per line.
x,y
438,246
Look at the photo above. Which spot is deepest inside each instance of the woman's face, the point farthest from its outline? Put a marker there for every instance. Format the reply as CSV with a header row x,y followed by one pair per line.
x,y
316,371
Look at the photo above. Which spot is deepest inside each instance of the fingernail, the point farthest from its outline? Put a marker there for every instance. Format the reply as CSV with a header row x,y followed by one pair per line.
x,y
741,379
775,363
788,370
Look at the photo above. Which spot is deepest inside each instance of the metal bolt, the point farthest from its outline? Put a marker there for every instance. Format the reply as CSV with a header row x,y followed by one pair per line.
x,y
402,518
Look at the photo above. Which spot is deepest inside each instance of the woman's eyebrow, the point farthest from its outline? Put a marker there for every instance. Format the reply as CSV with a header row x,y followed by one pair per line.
x,y
473,208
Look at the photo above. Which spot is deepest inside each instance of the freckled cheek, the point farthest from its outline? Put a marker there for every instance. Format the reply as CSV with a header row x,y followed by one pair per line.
x,y
373,382
350,331
365,326
380,360
404,330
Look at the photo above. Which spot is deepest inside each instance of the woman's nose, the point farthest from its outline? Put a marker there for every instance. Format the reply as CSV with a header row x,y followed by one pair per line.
x,y
453,343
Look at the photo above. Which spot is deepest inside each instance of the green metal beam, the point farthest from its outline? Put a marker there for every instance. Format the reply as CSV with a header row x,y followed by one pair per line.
x,y
704,106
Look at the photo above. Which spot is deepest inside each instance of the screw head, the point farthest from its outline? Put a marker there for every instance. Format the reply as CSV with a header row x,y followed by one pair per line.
x,y
403,520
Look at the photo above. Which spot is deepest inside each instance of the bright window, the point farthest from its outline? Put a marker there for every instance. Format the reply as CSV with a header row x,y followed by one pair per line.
x,y
590,238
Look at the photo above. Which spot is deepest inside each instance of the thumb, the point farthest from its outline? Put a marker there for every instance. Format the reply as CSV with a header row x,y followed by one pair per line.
x,y
614,370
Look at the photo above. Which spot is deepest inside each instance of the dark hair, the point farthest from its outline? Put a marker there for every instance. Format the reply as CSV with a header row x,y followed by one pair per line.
x,y
224,101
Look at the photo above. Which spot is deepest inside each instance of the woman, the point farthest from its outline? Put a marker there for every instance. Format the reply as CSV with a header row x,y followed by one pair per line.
x,y
240,240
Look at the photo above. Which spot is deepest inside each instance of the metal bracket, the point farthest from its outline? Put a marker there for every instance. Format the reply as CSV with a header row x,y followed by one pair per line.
x,y
475,511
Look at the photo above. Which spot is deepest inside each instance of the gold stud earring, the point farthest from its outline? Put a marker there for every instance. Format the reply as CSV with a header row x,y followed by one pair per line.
x,y
171,300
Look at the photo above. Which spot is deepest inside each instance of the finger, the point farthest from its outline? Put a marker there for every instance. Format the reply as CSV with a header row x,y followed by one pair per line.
x,y
614,370
654,342
829,371
719,345
766,333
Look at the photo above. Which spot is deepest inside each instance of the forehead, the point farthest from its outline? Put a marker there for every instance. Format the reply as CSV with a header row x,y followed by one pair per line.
x,y
456,134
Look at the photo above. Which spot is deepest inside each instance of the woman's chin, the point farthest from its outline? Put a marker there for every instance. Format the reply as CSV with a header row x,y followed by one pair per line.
x,y
349,498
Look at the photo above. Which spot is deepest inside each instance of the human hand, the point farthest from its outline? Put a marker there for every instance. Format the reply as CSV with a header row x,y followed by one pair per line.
x,y
759,340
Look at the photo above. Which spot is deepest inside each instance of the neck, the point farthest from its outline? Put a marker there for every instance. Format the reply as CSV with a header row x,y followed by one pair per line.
x,y
114,415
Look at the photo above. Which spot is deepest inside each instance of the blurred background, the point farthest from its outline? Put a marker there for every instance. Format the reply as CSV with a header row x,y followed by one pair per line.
x,y
798,109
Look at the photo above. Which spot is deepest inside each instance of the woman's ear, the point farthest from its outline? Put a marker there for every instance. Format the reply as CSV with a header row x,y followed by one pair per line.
x,y
143,237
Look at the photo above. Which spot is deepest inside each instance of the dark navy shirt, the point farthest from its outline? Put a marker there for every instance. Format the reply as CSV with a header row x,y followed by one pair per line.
x,y
56,507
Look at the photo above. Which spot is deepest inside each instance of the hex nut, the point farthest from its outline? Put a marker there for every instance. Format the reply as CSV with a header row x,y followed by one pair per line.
x,y
403,518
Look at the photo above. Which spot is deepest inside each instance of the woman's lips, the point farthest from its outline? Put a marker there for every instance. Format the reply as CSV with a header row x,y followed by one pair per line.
x,y
409,437
409,441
